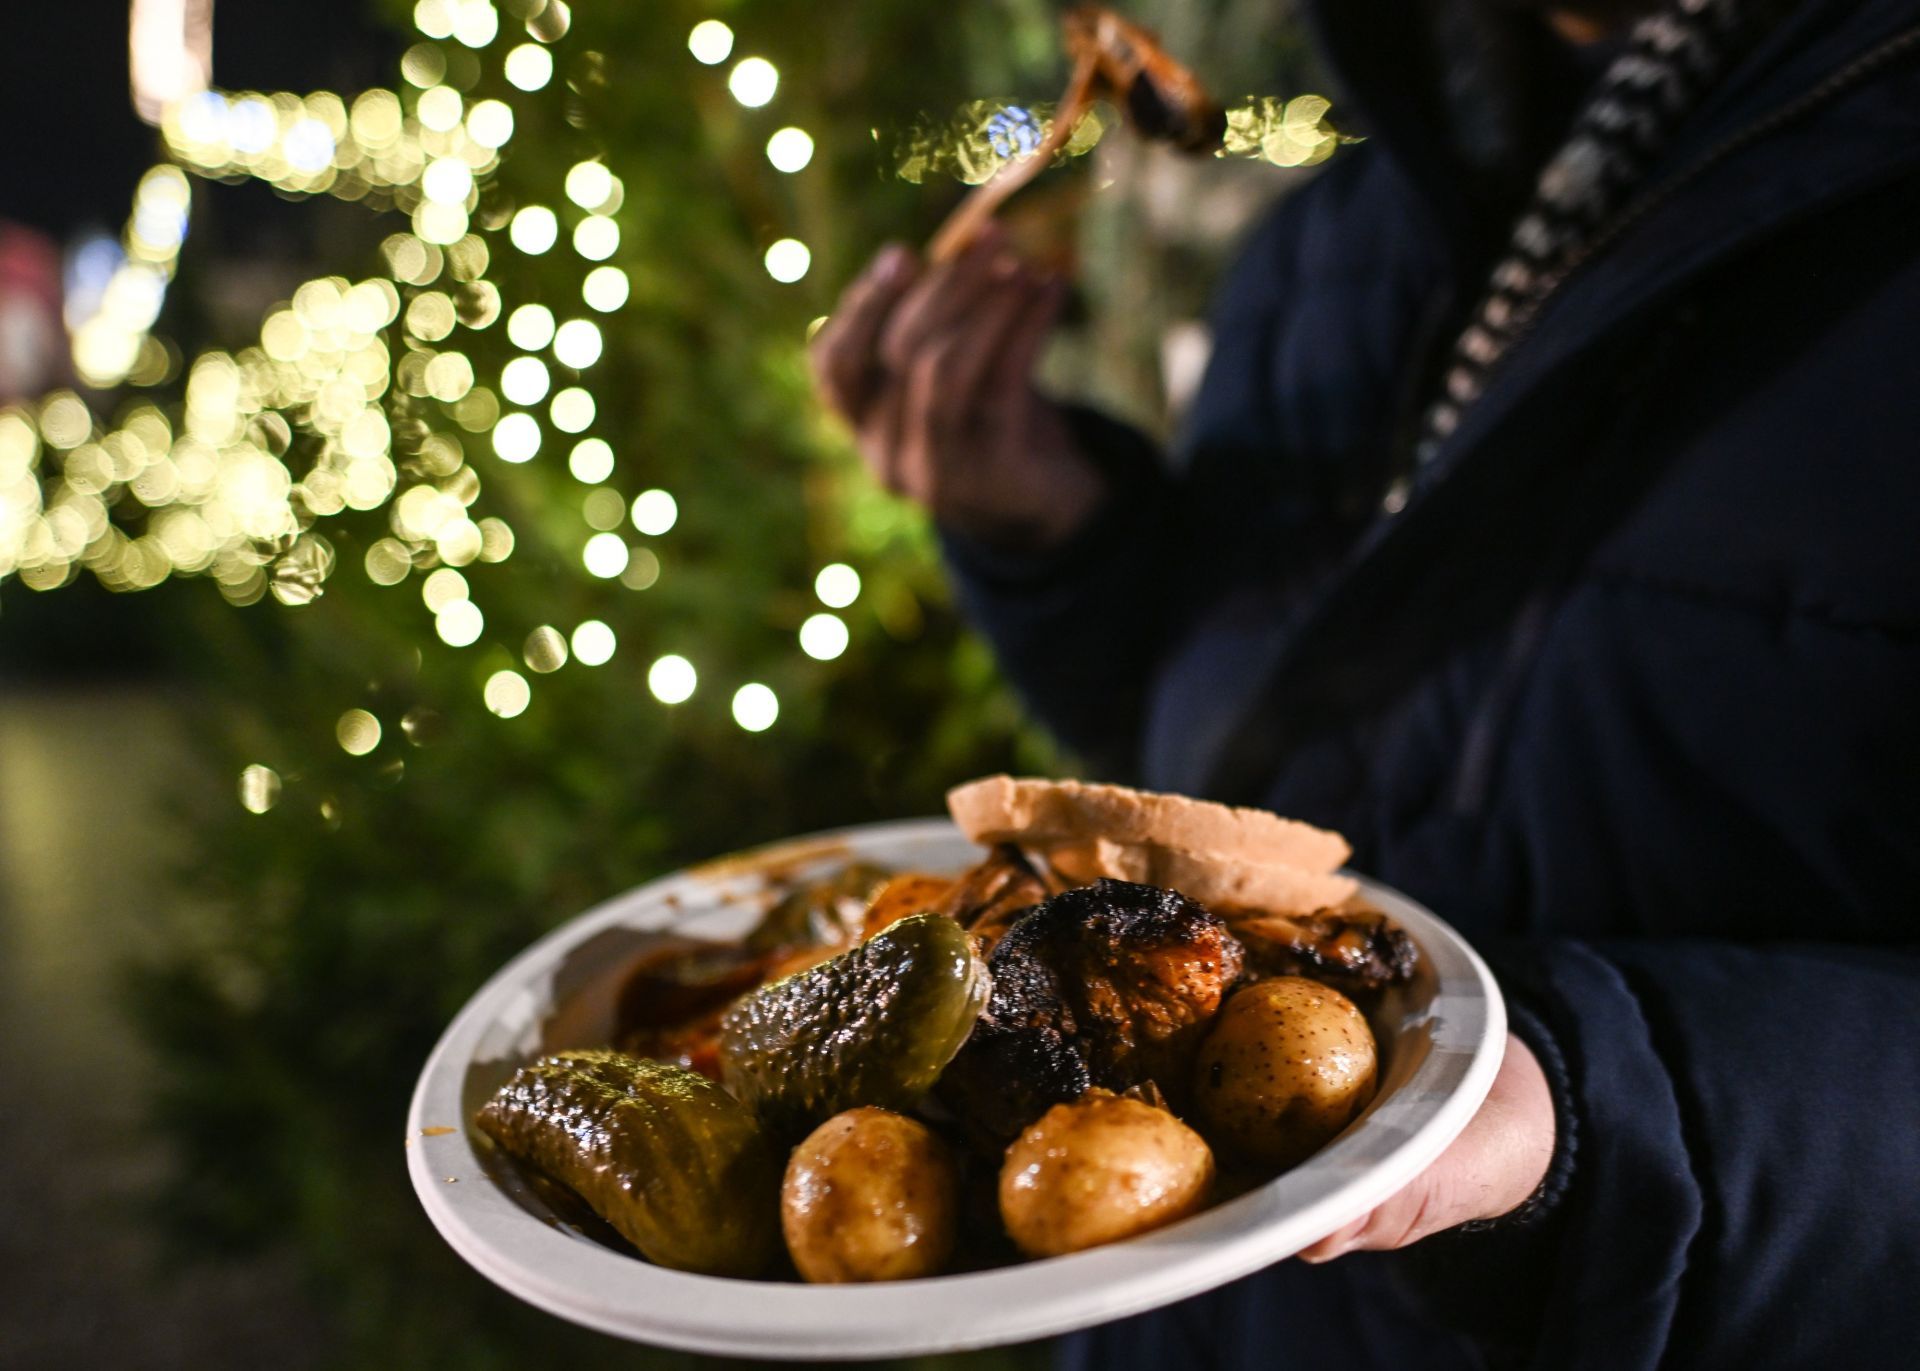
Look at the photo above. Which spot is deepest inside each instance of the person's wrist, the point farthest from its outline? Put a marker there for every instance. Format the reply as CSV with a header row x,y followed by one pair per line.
x,y
1521,1102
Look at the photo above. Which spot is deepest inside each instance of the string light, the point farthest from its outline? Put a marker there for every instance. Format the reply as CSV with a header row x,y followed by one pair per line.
x,y
710,42
545,650
790,149
593,643
530,327
524,381
605,555
605,289
259,789
788,260
490,124
823,637
655,512
577,344
591,461
753,82
837,585
507,694
589,185
534,230
460,624
516,438
672,679
529,67
572,410
357,732
755,707
596,238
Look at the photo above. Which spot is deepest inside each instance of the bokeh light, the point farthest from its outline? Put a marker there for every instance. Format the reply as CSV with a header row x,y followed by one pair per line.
x,y
357,732
837,586
788,260
507,694
593,643
605,289
529,66
596,238
534,230
710,42
490,123
545,649
572,410
605,555
516,438
790,149
577,344
823,637
259,788
460,624
591,461
755,707
524,381
753,82
655,512
672,679
589,184
530,327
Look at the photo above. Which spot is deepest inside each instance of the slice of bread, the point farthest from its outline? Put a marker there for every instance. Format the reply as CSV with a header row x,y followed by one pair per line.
x,y
1042,814
1225,886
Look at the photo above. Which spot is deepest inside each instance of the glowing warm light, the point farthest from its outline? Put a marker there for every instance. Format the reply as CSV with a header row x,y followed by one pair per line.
x,y
434,17
755,707
545,649
605,555
596,238
530,327
605,289
593,643
259,789
524,380
788,260
603,509
516,438
823,637
388,562
534,230
490,123
170,53
358,732
672,679
591,461
573,410
460,624
448,180
837,585
507,694
654,512
710,42
440,109
529,66
577,343
753,82
589,184
442,588
476,25
790,149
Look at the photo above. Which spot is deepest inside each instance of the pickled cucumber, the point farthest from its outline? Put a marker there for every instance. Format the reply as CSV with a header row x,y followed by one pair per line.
x,y
679,1167
874,1026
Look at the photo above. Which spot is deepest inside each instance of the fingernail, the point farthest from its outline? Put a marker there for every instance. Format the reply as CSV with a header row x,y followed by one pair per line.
x,y
1005,267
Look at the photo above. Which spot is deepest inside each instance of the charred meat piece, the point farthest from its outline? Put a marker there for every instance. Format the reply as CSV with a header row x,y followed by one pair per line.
x,y
1111,985
1360,949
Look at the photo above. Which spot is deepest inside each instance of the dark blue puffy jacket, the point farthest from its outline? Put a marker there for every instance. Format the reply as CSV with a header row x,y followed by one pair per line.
x,y
1631,695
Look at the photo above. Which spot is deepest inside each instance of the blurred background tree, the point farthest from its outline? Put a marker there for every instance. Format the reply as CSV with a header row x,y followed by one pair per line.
x,y
539,572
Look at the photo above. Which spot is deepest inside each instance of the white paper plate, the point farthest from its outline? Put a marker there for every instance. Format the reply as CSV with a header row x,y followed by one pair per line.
x,y
1441,1039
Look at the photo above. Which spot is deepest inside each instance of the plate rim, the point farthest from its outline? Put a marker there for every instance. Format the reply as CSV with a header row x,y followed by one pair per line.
x,y
673,1309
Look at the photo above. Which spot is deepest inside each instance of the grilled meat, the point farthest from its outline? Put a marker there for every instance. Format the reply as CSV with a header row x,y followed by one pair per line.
x,y
1109,985
992,896
1356,950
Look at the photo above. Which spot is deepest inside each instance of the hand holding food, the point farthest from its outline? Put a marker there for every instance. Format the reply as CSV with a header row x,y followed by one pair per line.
x,y
931,367
870,1196
1100,1169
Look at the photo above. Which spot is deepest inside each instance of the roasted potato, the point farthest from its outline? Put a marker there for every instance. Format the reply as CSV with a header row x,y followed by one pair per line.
x,y
869,1196
1287,1065
1100,1169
